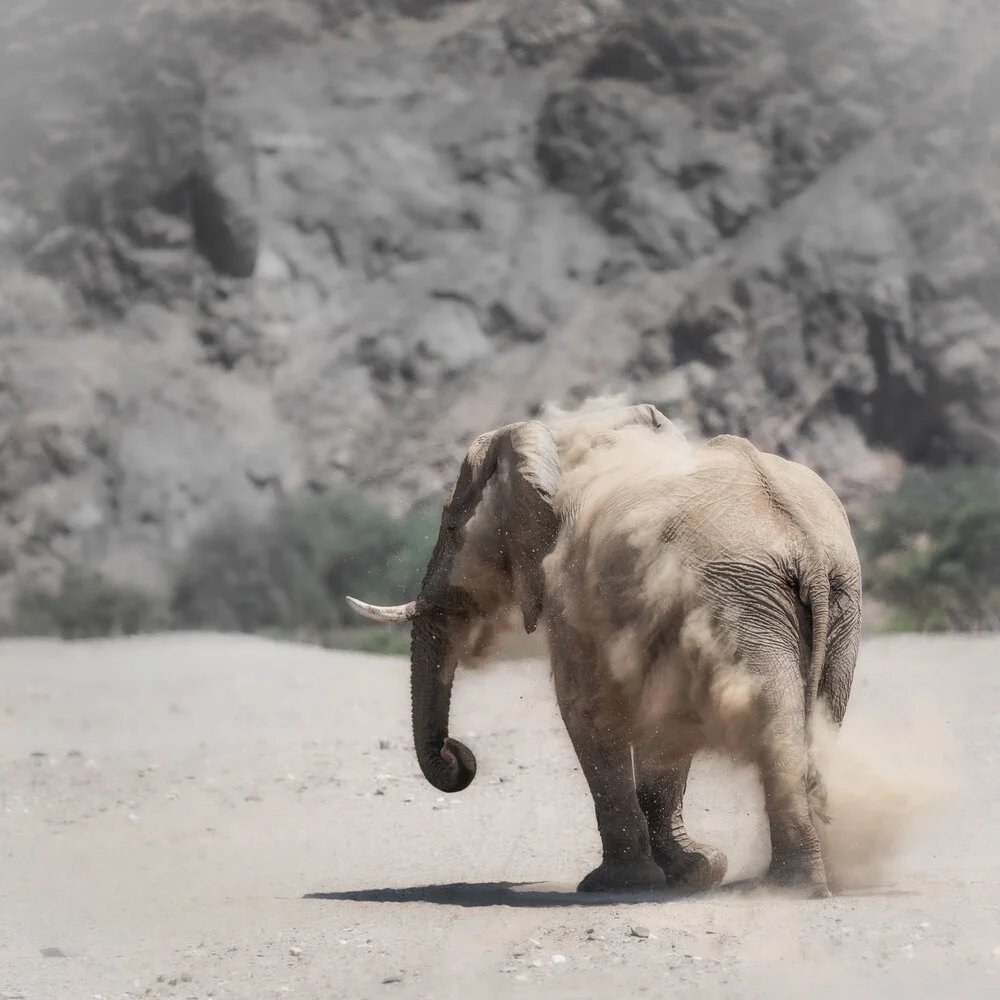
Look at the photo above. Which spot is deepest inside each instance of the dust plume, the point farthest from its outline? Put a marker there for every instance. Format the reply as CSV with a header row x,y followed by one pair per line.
x,y
883,778
587,416
552,411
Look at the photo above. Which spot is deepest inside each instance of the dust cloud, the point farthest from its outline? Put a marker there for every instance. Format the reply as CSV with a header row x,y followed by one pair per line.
x,y
884,779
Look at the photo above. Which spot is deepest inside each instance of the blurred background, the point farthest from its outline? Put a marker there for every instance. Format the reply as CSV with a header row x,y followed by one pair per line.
x,y
268,266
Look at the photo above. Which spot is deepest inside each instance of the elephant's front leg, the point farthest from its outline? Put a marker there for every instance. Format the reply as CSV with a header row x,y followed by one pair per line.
x,y
661,797
606,762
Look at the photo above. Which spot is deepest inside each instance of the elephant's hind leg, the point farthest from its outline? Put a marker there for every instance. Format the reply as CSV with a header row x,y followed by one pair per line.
x,y
683,861
796,857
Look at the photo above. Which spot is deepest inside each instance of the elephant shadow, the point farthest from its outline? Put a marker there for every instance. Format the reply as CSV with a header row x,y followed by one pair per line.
x,y
515,894
546,895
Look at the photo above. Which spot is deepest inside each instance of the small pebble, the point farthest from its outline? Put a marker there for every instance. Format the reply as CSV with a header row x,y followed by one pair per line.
x,y
558,959
639,932
294,952
392,979
53,953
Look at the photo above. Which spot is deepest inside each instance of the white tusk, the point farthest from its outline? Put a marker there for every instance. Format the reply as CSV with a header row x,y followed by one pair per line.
x,y
399,613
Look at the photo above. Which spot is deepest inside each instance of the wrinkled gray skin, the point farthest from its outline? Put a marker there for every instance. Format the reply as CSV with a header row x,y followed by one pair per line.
x,y
564,535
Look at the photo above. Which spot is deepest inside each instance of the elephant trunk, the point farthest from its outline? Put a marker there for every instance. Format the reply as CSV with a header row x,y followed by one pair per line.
x,y
447,764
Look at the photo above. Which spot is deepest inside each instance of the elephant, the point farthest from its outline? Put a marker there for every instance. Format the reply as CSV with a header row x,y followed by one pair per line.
x,y
694,596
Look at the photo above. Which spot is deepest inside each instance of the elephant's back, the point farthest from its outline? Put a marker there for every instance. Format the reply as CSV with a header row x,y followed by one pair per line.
x,y
708,504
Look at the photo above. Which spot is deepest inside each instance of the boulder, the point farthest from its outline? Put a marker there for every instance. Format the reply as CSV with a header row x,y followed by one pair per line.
x,y
647,172
537,31
109,125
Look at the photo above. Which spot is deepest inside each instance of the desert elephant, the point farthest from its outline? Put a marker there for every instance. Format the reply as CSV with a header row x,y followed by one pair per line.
x,y
693,597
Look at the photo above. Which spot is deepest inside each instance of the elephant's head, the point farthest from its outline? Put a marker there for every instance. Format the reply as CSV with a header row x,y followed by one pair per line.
x,y
497,526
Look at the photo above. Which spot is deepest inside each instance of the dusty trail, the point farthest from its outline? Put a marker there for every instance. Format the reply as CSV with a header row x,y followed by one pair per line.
x,y
204,816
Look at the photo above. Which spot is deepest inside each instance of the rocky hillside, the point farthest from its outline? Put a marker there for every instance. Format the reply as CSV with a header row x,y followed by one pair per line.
x,y
252,249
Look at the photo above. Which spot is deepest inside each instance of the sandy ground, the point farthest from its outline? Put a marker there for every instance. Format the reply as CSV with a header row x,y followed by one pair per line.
x,y
205,816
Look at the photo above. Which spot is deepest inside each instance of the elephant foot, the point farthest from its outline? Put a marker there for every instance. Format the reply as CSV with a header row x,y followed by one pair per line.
x,y
698,867
809,879
643,875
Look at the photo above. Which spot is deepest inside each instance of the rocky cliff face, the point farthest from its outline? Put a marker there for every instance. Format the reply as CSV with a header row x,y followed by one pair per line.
x,y
249,250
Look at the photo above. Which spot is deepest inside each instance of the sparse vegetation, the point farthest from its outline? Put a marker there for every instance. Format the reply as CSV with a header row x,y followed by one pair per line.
x,y
85,606
933,554
290,573
284,576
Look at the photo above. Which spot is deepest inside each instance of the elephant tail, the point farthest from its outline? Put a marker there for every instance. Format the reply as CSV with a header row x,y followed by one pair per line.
x,y
816,595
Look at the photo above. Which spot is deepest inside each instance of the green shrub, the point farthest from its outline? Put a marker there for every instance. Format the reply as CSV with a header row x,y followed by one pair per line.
x,y
85,606
933,554
387,640
289,573
285,576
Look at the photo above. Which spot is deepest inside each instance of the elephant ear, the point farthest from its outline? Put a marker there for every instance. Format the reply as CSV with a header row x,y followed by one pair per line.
x,y
529,524
525,460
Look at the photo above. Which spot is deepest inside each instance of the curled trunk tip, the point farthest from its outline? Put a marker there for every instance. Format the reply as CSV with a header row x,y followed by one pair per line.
x,y
450,769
